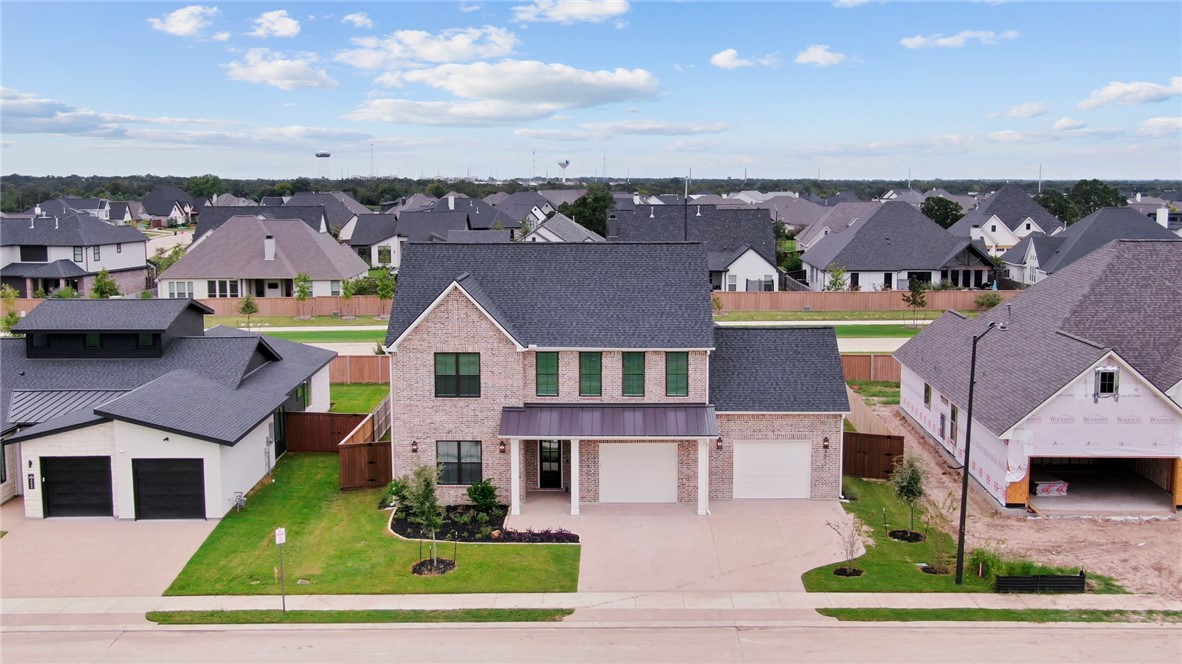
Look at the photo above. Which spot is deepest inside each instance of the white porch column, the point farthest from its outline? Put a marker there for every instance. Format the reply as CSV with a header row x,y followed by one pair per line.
x,y
703,477
574,477
515,476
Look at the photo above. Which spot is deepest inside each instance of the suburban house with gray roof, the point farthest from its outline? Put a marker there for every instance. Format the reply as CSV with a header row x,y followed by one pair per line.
x,y
525,206
261,257
340,209
1077,401
834,220
1037,256
130,408
561,228
893,246
48,252
169,204
214,216
478,215
374,237
612,383
1004,218
740,243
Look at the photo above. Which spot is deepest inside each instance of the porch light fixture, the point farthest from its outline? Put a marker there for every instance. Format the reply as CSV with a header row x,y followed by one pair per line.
x,y
825,443
718,445
502,447
414,446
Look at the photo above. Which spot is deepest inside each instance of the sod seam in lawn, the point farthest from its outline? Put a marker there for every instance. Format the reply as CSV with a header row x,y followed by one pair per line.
x,y
1007,615
338,543
275,616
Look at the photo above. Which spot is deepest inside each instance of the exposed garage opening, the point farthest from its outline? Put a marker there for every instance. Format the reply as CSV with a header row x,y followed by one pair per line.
x,y
638,472
772,469
1101,486
169,488
76,486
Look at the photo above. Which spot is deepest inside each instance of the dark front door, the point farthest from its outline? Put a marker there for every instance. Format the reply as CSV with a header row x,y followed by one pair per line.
x,y
169,488
549,464
76,486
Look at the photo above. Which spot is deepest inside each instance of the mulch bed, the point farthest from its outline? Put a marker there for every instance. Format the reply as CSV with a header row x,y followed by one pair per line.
x,y
907,536
430,567
460,523
842,571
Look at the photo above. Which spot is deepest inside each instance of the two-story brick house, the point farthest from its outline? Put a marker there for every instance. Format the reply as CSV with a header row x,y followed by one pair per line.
x,y
596,368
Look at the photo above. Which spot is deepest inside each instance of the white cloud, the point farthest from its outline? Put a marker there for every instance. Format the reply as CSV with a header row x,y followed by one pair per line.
x,y
567,12
1137,92
221,36
849,4
275,24
261,65
448,113
186,21
1028,110
358,20
821,56
468,7
554,134
1161,126
654,128
26,113
1067,124
729,59
533,82
959,39
416,47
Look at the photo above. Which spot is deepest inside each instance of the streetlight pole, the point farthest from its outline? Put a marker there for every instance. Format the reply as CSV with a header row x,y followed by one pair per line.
x,y
968,441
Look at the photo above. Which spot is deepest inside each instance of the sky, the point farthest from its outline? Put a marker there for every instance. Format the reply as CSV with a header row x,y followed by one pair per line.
x,y
840,90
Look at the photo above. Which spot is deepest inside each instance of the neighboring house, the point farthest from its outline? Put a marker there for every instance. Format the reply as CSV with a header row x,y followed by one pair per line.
x,y
558,197
611,383
169,204
130,408
340,209
374,237
740,244
1081,392
427,226
834,220
214,216
273,200
479,216
561,228
413,203
227,199
909,196
1004,218
126,212
261,257
794,212
47,253
475,237
525,206
1038,256
893,246
95,207
967,202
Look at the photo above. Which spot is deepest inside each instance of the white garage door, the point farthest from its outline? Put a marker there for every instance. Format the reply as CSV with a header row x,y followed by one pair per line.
x,y
638,472
772,469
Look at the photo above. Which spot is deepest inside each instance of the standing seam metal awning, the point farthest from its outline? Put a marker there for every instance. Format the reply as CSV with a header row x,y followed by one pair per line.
x,y
609,421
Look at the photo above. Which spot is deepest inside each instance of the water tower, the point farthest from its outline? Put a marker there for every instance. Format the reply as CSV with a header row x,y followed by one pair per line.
x,y
563,163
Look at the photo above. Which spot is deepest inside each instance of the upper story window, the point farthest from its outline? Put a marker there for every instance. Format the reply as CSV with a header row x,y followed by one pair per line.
x,y
457,374
677,374
145,340
927,395
993,228
33,254
1107,384
222,288
546,374
590,374
77,254
93,340
97,253
633,375
1027,226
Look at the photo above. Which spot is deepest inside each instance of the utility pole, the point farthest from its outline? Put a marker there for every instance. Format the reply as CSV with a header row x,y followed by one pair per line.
x,y
371,160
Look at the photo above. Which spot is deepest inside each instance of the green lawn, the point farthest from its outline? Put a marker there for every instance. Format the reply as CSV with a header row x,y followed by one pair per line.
x,y
847,425
892,566
876,392
904,314
357,397
786,246
261,323
1008,615
269,617
338,542
876,331
331,336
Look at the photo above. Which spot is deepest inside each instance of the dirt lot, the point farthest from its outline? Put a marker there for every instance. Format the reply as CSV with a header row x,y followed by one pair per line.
x,y
1142,555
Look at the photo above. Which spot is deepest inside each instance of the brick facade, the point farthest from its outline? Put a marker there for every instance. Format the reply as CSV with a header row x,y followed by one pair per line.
x,y
612,375
130,282
826,464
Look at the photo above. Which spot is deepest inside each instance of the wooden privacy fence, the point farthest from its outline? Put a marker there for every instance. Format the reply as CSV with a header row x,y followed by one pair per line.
x,y
870,455
862,417
361,369
320,432
871,367
365,460
847,301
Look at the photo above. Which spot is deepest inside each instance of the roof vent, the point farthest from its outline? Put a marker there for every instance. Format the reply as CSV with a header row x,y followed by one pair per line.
x,y
699,211
652,213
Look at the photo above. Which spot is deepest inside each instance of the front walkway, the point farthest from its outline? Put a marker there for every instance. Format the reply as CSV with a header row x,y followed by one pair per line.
x,y
742,545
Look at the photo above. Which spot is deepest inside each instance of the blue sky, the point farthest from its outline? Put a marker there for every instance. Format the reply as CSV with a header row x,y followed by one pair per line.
x,y
846,89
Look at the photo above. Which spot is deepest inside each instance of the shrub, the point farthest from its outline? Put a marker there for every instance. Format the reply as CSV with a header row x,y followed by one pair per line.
x,y
398,489
482,517
484,495
988,300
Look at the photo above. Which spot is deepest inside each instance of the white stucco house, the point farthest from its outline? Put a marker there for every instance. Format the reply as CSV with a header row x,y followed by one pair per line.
x,y
1004,218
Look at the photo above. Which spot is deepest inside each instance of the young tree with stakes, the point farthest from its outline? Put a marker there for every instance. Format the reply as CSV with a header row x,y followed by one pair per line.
x,y
915,299
837,278
423,507
248,307
907,481
303,290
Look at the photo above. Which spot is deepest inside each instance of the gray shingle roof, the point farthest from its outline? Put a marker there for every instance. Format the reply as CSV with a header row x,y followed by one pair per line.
x,y
60,269
568,229
235,250
123,315
371,229
420,225
520,205
791,210
486,237
720,230
559,196
337,211
1097,229
1124,296
481,216
160,200
896,237
214,216
837,219
73,229
777,369
1012,206
595,295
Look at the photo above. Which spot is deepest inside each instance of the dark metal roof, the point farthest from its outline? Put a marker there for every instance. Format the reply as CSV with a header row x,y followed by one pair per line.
x,y
777,370
33,406
609,421
85,315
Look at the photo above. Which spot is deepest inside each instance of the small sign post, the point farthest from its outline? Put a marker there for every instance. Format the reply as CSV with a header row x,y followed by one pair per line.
x,y
280,538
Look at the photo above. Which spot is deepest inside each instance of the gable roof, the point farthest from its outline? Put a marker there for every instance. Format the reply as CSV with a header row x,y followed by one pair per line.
x,y
212,217
1043,246
836,219
896,237
235,250
1123,298
777,369
485,237
1097,229
73,229
521,204
122,315
371,229
567,229
722,231
559,196
597,295
59,269
791,210
420,225
339,207
1012,206
480,215
160,201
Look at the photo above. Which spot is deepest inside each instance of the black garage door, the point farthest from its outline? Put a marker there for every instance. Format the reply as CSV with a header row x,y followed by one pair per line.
x,y
169,488
76,486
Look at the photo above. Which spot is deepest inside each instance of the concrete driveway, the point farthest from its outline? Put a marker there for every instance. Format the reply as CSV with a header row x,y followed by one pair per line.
x,y
92,557
746,545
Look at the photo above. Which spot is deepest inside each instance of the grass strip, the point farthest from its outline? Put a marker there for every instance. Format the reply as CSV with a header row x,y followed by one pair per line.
x,y
330,336
356,397
275,617
1006,615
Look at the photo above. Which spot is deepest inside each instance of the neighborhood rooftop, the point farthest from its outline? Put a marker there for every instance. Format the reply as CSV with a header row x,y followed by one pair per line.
x,y
797,369
106,315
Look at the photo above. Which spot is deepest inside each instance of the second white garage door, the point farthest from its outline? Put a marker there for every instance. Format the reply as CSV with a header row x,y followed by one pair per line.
x,y
638,472
772,469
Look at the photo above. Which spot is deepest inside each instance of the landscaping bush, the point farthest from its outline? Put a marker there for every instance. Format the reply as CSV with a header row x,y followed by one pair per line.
x,y
988,300
397,490
484,495
546,536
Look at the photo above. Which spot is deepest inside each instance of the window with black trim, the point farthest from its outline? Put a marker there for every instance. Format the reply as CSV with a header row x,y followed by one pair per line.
x,y
77,254
304,393
459,461
1107,383
590,374
145,340
927,395
546,374
677,374
40,340
3,463
222,288
93,340
97,252
457,374
633,375
955,415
